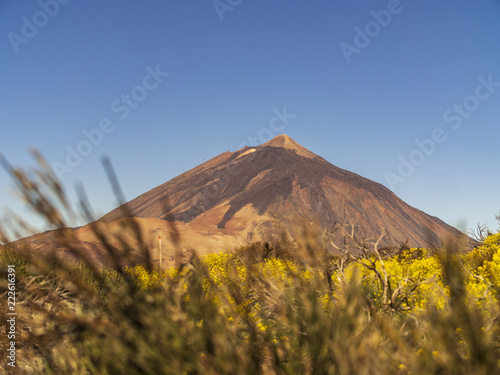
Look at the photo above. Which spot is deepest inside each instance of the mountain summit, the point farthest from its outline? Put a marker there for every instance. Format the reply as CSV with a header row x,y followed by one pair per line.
x,y
242,196
284,141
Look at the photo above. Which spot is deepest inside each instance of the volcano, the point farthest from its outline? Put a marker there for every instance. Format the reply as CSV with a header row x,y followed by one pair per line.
x,y
244,196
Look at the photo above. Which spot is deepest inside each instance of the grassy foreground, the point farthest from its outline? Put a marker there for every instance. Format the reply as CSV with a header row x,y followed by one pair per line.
x,y
262,311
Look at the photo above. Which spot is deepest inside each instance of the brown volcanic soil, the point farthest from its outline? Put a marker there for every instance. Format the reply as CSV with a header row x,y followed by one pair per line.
x,y
238,194
84,240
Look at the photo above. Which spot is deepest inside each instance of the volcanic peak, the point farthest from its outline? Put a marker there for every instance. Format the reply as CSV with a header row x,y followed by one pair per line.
x,y
284,141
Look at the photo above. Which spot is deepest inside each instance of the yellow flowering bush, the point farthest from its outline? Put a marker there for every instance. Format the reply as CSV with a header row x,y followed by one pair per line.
x,y
146,280
415,278
491,268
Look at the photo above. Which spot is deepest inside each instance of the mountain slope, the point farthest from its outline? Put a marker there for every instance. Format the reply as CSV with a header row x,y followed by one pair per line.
x,y
249,193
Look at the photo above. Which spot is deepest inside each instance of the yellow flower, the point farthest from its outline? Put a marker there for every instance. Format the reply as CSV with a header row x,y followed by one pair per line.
x,y
261,327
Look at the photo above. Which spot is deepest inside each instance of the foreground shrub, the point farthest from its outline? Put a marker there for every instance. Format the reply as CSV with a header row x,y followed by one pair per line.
x,y
299,310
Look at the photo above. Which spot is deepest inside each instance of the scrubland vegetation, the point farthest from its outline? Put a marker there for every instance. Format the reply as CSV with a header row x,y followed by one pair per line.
x,y
281,308
415,312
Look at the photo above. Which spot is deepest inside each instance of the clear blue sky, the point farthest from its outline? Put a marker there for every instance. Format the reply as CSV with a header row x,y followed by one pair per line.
x,y
364,79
